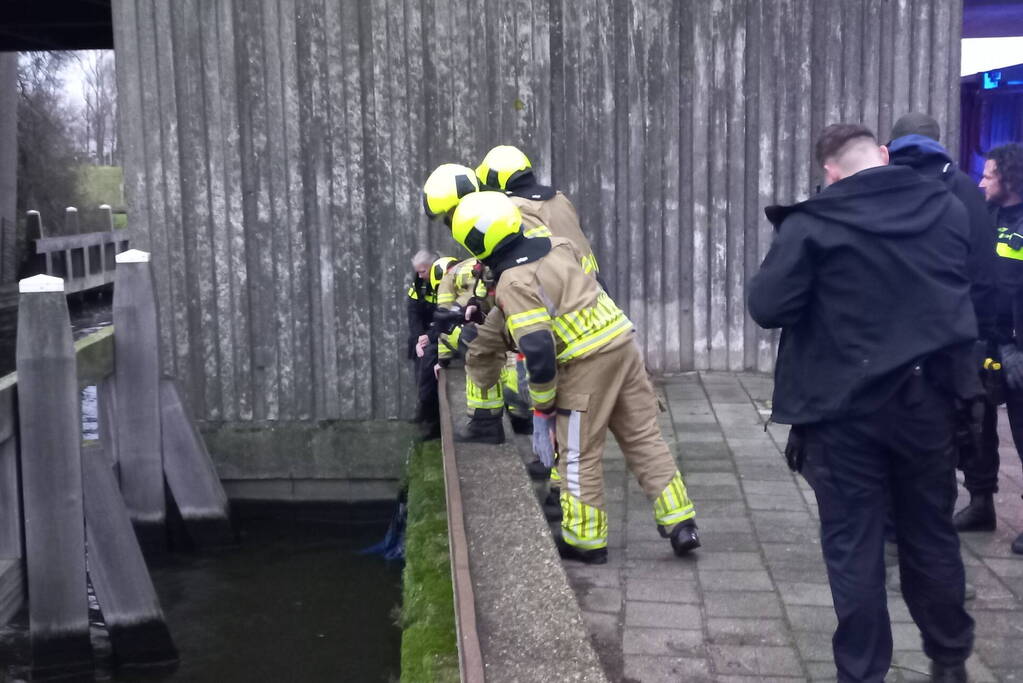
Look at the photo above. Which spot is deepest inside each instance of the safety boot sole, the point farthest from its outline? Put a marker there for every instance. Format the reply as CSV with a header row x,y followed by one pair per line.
x,y
570,552
684,538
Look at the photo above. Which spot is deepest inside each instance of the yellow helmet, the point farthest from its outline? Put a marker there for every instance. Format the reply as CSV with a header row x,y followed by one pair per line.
x,y
439,269
483,221
445,188
501,166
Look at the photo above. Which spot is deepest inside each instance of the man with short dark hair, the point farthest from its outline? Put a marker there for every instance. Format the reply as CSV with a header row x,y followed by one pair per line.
x,y
868,282
1002,184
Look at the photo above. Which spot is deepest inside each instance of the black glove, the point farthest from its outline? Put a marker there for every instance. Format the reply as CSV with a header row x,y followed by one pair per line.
x,y
795,451
1012,366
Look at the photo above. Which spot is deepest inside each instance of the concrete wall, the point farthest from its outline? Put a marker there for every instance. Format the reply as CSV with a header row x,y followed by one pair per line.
x,y
274,152
8,165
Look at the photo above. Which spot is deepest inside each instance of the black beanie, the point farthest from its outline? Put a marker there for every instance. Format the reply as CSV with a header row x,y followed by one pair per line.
x,y
915,123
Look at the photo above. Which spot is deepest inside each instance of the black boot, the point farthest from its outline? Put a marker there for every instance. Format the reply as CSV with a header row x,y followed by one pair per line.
x,y
538,471
521,425
489,429
570,552
979,515
552,505
1017,545
948,673
684,537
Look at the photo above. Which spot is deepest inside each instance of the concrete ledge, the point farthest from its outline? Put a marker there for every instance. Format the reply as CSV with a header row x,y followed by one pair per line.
x,y
12,588
524,615
335,460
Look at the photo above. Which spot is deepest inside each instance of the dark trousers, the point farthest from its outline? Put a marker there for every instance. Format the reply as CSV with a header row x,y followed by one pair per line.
x,y
429,400
980,473
901,457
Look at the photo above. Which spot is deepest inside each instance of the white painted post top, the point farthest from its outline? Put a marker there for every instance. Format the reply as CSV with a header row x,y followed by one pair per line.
x,y
32,212
132,256
71,209
41,283
104,207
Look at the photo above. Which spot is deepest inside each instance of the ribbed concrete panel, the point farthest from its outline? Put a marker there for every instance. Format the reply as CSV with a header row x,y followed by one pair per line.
x,y
274,151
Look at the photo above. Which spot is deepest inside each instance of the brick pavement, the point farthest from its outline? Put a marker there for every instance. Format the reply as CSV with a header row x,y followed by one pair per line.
x,y
753,603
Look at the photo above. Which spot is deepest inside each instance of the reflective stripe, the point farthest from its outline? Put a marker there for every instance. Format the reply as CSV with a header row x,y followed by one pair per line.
x,y
491,398
526,318
589,263
538,231
572,456
673,505
445,298
590,328
582,525
555,477
412,294
539,397
1005,251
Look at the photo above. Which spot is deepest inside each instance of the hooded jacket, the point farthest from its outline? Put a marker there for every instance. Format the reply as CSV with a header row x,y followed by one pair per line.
x,y
866,279
931,159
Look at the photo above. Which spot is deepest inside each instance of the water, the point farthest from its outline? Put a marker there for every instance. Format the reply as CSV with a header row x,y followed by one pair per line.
x,y
293,602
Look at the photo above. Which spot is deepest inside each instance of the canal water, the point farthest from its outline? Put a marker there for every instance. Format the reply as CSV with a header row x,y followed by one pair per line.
x,y
294,601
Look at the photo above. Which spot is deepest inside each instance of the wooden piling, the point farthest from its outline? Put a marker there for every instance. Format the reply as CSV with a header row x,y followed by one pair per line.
x,y
124,590
137,374
72,225
51,468
192,480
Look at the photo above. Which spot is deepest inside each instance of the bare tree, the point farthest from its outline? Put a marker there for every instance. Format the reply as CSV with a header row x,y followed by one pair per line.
x,y
100,111
47,153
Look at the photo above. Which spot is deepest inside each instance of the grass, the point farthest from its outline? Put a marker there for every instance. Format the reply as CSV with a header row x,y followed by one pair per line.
x,y
428,648
101,185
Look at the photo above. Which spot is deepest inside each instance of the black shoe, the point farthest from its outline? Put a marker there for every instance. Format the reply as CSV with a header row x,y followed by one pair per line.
x,y
1017,545
570,552
552,505
538,471
948,673
979,515
684,537
482,430
521,425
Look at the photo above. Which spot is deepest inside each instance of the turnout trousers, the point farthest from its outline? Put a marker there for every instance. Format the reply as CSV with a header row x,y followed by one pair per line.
x,y
611,390
902,455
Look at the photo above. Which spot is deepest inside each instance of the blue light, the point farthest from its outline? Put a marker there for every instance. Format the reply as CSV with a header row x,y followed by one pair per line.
x,y
992,79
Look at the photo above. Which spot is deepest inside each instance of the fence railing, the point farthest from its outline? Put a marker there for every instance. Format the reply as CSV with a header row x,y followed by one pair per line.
x,y
83,260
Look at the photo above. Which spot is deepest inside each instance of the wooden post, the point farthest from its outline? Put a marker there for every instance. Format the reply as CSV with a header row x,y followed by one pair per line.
x,y
191,478
51,467
131,609
106,218
32,263
71,223
137,376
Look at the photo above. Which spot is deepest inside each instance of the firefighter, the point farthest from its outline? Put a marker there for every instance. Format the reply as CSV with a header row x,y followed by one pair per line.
x,y
545,211
585,375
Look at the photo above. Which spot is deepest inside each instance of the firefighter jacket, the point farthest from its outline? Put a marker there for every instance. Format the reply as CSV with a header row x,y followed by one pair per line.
x,y
543,207
866,279
459,285
555,313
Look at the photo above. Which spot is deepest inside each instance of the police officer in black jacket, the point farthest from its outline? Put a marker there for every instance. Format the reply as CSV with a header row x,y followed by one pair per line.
x,y
868,282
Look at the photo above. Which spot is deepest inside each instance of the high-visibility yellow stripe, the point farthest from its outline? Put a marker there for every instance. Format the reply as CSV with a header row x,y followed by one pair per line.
x,y
538,397
526,318
1005,251
538,231
595,341
673,505
490,398
582,525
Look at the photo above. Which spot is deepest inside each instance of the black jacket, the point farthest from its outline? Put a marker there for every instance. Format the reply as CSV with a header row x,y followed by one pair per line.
x,y
419,307
931,159
865,279
1009,275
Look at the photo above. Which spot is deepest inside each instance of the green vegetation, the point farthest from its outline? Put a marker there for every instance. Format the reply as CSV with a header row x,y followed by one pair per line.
x,y
103,185
428,648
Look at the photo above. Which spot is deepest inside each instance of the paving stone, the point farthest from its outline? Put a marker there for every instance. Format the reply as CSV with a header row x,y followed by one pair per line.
x,y
742,604
815,646
718,508
666,568
600,599
1008,568
733,561
770,488
662,615
715,479
723,580
799,593
690,466
646,669
662,590
812,618
801,553
703,492
759,631
671,642
712,525
736,541
793,503
755,660
588,576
